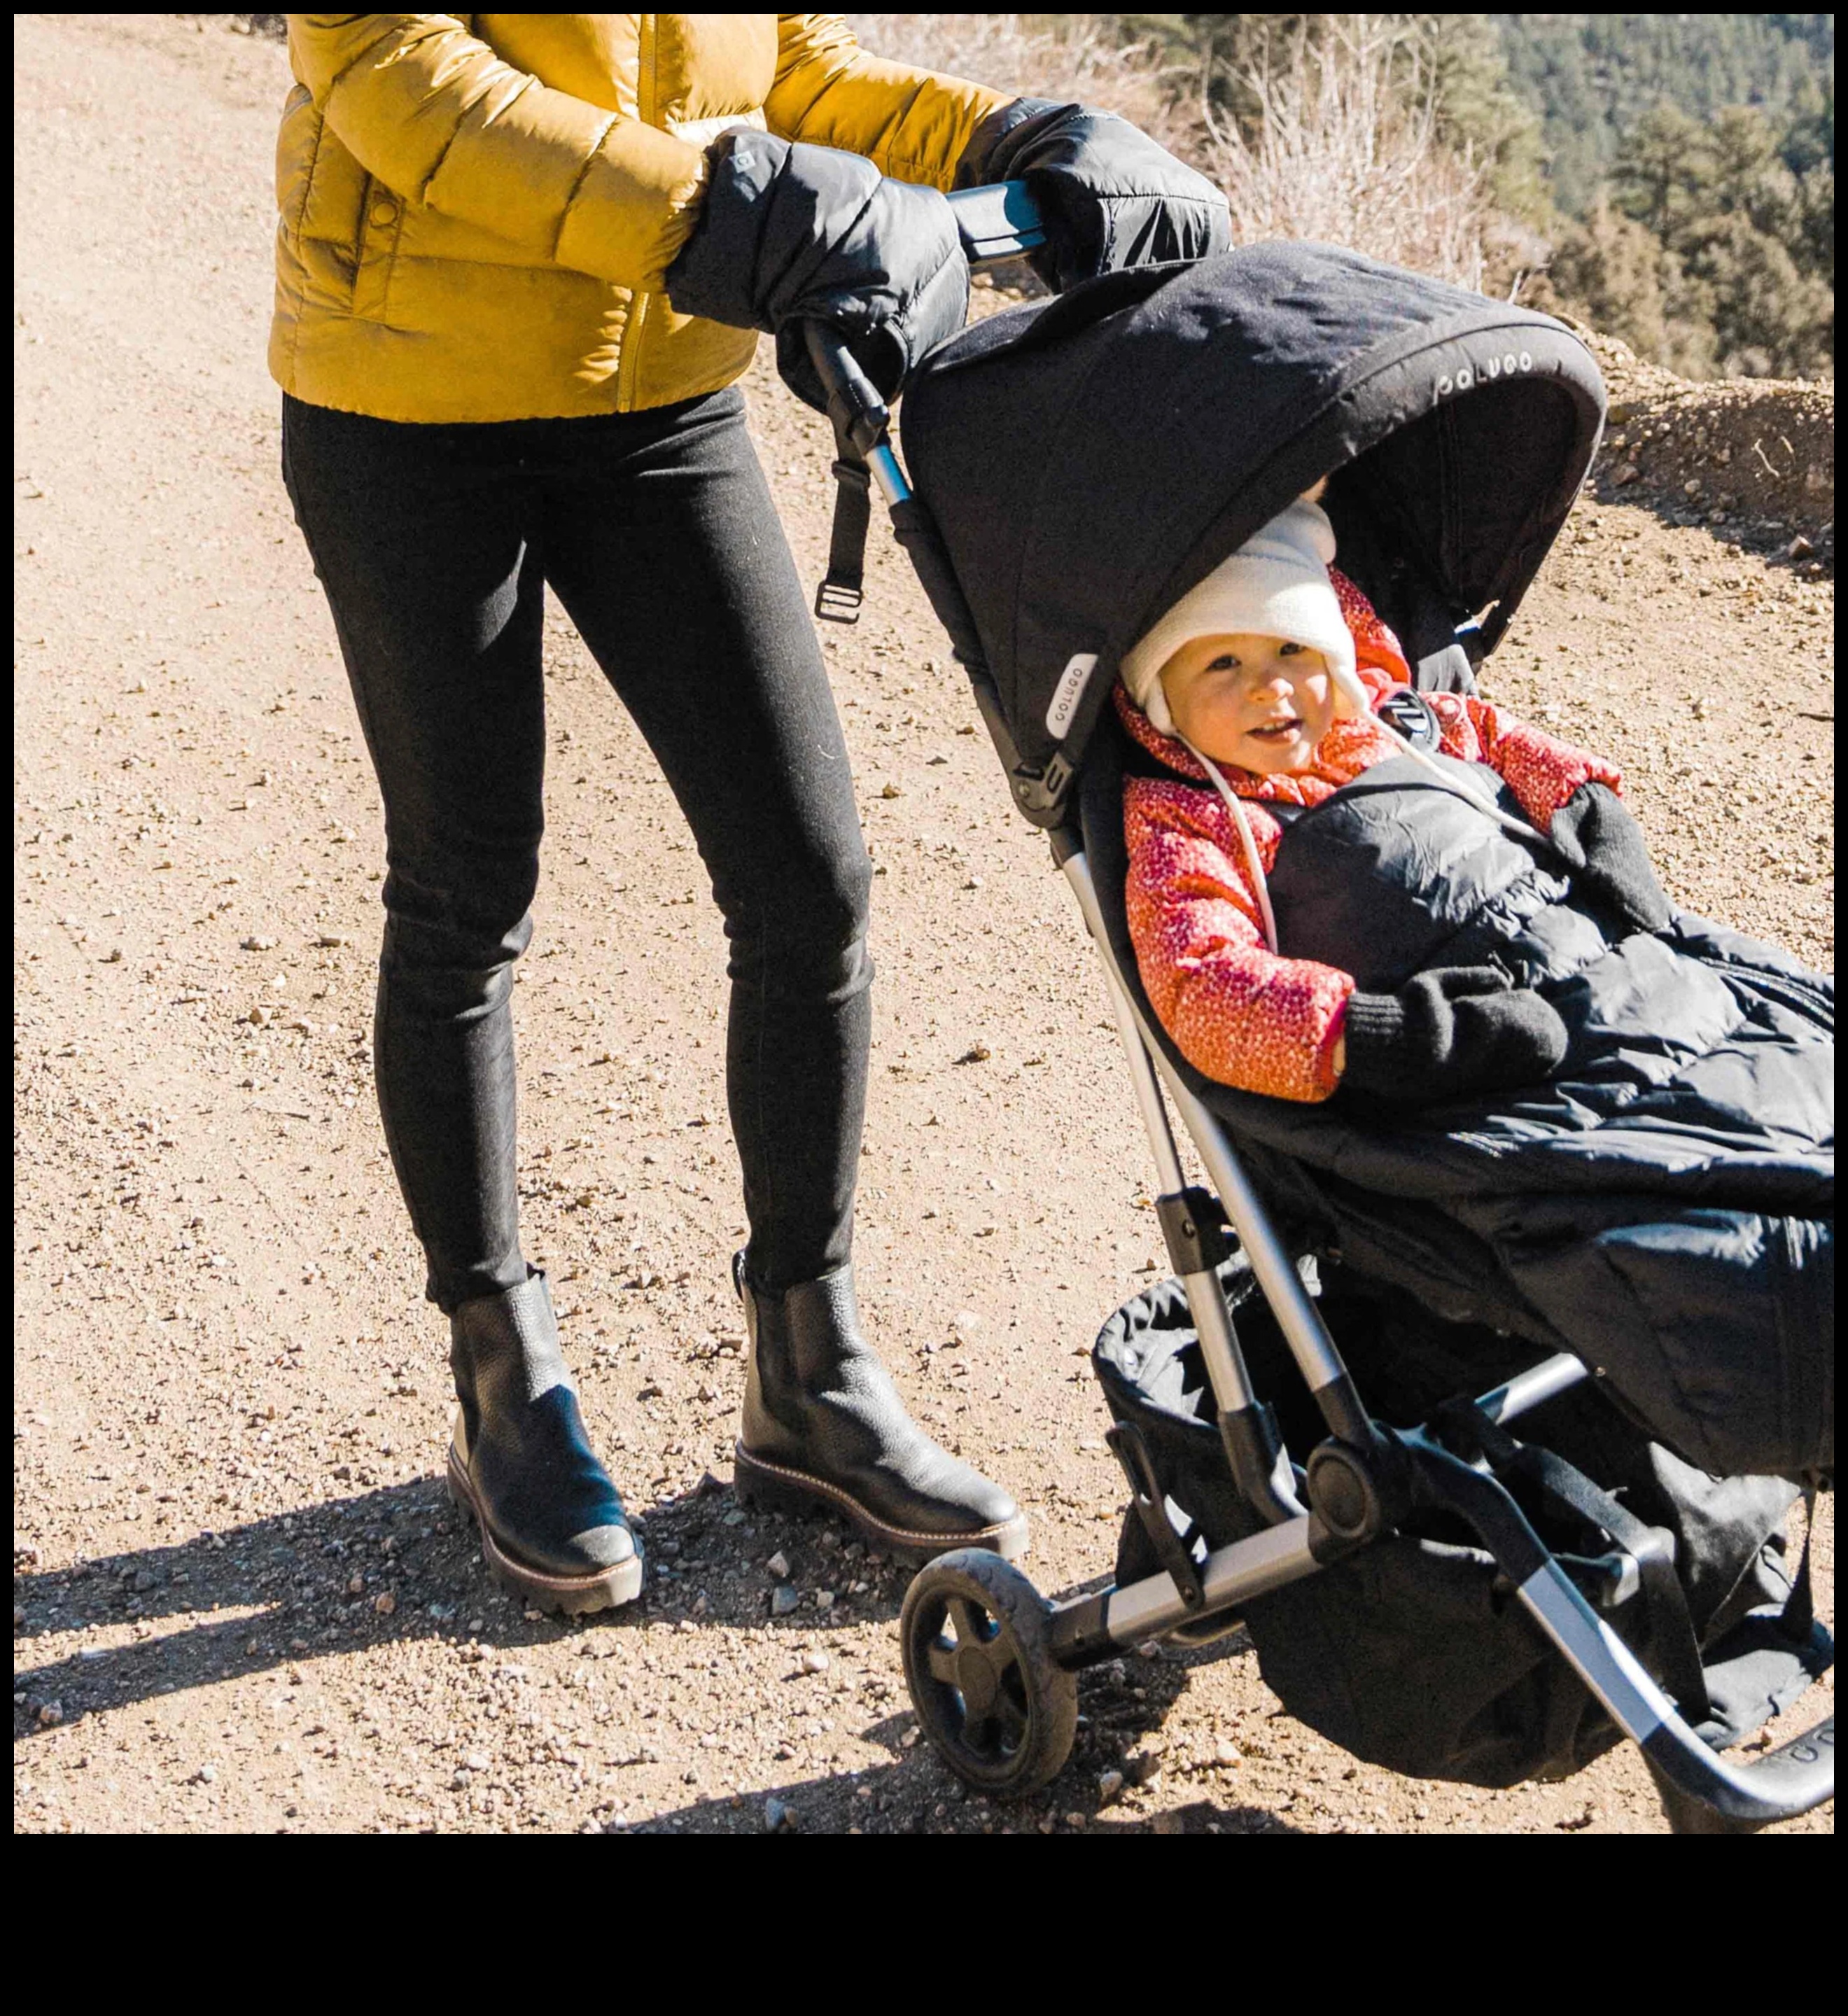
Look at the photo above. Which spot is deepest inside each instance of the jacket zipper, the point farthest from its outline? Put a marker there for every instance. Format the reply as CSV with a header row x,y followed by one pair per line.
x,y
628,364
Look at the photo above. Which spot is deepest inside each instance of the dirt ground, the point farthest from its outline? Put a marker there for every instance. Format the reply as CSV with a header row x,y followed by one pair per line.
x,y
241,1599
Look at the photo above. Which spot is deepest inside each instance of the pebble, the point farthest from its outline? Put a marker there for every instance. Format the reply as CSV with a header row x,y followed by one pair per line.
x,y
814,1662
384,1603
778,1817
824,1599
778,1565
1109,1786
256,945
205,1775
783,1599
1226,1754
476,1760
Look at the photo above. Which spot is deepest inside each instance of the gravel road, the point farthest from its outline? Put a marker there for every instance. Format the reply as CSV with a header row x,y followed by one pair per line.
x,y
241,1599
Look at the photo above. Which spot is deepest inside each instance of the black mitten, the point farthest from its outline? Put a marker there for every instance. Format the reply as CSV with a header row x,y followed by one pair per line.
x,y
1110,198
791,233
1459,1030
1596,835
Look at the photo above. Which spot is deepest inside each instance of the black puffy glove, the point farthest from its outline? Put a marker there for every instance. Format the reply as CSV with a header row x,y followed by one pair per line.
x,y
1460,1029
791,233
1110,198
1601,843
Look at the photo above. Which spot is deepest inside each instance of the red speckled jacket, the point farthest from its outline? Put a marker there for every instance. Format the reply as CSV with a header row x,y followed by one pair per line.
x,y
1237,1012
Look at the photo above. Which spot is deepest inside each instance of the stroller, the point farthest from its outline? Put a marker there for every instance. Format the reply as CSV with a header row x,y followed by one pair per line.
x,y
1442,1598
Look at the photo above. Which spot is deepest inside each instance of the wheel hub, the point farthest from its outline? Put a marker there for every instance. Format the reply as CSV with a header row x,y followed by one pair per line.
x,y
976,1680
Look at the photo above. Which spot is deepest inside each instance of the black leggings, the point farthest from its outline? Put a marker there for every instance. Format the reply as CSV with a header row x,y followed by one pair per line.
x,y
656,532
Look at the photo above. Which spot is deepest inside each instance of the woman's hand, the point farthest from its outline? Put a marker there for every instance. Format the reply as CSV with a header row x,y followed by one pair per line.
x,y
791,233
1110,198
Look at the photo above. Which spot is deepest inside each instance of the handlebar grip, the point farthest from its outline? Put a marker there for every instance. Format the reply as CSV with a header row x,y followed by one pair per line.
x,y
999,221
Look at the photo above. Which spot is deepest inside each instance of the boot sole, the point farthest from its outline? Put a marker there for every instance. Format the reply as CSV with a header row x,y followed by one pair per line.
x,y
779,1488
569,1595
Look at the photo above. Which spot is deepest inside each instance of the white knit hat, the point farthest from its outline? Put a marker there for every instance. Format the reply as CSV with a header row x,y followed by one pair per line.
x,y
1276,584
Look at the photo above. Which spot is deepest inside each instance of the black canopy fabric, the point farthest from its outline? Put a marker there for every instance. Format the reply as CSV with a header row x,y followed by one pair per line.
x,y
1084,461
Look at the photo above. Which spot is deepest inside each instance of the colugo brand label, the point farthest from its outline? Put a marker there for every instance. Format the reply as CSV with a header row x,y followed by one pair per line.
x,y
1503,364
1069,691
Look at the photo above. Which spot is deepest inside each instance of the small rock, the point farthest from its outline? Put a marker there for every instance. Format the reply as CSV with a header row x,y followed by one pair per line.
x,y
384,1603
778,1565
355,1585
205,1775
476,1760
50,1713
256,945
814,1662
332,940
891,791
1625,473
824,1599
977,1054
1110,1786
1226,1754
259,1016
783,1599
1799,549
1172,1821
778,1817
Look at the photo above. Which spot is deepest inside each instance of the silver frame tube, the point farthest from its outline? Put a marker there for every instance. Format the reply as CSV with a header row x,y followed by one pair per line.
x,y
1234,1575
1206,1300
1301,1322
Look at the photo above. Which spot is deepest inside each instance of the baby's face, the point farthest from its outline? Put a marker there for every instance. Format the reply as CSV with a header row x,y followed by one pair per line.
x,y
1262,703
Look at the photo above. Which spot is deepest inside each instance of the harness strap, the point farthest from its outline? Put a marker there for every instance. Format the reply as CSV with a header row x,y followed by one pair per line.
x,y
838,598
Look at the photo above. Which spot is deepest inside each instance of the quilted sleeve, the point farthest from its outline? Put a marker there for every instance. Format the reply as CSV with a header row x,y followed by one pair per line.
x,y
912,124
1237,1012
431,111
1542,772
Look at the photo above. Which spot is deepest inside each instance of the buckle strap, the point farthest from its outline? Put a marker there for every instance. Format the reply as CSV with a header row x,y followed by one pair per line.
x,y
838,598
1652,1548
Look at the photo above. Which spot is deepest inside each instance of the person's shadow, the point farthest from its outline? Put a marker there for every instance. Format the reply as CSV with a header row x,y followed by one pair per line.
x,y
396,1563
400,1564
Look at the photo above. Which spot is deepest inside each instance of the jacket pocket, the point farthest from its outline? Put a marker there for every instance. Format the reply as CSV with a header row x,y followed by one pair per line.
x,y
381,218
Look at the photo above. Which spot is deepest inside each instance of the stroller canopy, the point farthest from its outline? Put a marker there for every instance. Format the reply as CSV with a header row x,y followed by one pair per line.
x,y
1085,460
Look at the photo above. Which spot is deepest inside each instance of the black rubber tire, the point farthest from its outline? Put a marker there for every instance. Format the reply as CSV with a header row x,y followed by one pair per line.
x,y
998,1709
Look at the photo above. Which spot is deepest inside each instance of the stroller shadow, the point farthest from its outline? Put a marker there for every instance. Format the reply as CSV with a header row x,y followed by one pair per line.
x,y
288,1581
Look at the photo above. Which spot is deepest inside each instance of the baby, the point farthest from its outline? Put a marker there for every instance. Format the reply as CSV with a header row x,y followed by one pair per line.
x,y
1261,693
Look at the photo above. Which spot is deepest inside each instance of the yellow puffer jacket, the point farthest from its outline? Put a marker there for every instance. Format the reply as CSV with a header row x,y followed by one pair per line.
x,y
477,209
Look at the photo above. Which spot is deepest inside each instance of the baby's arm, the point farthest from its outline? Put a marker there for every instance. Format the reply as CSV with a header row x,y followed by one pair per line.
x,y
1542,772
1237,1012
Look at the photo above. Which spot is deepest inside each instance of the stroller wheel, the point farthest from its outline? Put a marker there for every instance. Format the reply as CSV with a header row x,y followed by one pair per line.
x,y
999,1709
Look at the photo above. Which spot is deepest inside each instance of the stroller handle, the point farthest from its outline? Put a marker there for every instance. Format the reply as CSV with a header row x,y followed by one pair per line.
x,y
999,221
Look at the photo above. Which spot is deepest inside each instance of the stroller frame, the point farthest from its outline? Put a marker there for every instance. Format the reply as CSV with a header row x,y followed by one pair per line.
x,y
991,1664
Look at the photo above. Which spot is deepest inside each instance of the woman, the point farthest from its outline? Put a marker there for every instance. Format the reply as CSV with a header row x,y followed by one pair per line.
x,y
522,260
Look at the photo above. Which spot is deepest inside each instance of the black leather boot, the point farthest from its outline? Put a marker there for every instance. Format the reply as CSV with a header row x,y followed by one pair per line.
x,y
824,1425
552,1528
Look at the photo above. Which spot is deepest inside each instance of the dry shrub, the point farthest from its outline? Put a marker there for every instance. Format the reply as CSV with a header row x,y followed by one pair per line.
x,y
1059,56
1344,149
